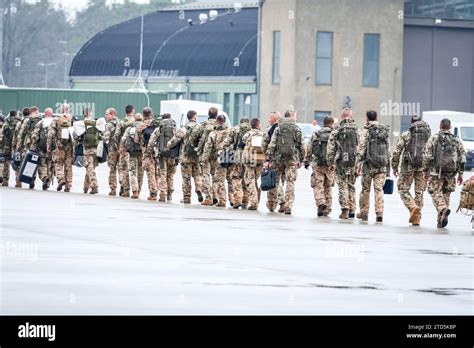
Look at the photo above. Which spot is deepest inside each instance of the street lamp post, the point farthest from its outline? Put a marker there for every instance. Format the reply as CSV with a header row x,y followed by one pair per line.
x,y
66,54
46,66
307,78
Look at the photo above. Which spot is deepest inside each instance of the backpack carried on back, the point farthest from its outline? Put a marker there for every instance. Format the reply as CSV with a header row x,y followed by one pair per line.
x,y
446,154
419,137
256,148
91,136
43,139
467,197
147,132
189,148
208,128
286,142
131,146
8,135
64,123
347,141
377,154
32,121
320,145
167,129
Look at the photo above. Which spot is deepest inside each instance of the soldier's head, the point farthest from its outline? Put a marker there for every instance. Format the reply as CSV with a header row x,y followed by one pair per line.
x,y
192,115
445,124
2,119
371,115
110,114
244,120
212,113
138,117
328,121
129,110
220,120
86,112
64,108
147,113
34,111
13,113
346,113
26,112
416,118
274,118
166,116
291,114
48,112
255,123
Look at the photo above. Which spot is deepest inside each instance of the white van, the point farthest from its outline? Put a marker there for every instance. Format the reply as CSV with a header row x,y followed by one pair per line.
x,y
462,125
178,109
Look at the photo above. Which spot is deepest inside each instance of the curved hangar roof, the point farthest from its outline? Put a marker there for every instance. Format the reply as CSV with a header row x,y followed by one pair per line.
x,y
224,46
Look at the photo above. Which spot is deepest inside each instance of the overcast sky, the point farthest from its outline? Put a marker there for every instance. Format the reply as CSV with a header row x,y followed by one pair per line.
x,y
76,5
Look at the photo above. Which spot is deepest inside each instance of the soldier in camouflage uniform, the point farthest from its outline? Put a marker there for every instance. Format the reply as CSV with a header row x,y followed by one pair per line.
x,y
342,152
24,135
253,159
285,154
239,197
373,163
39,141
7,146
188,158
60,145
123,164
199,138
322,178
90,140
166,165
409,149
211,153
147,141
444,157
113,155
133,150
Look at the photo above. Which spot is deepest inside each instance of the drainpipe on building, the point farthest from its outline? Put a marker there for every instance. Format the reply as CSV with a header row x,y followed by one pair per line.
x,y
259,44
186,80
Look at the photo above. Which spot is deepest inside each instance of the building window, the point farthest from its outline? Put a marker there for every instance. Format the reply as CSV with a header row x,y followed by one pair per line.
x,y
245,105
276,58
370,76
226,105
320,115
203,97
176,96
323,58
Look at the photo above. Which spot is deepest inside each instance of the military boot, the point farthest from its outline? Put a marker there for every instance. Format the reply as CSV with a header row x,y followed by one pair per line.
x,y
200,197
153,196
169,197
94,191
221,204
363,216
5,183
60,186
252,207
162,197
288,211
321,209
282,208
186,200
135,195
244,205
45,184
126,193
270,207
344,214
113,192
414,213
379,218
208,201
85,190
121,192
352,215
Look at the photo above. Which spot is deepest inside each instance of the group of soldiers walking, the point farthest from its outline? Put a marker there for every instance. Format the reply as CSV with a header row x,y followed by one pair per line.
x,y
226,163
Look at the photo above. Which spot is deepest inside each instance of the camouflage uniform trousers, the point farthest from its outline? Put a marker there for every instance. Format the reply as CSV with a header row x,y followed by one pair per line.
x,y
290,172
404,184
237,189
63,159
251,176
230,188
207,171
219,179
6,173
112,163
90,162
378,179
123,169
44,168
440,189
149,165
136,173
346,191
167,169
191,169
322,182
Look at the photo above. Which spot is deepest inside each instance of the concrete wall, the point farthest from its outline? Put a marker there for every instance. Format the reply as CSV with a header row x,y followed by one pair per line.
x,y
349,20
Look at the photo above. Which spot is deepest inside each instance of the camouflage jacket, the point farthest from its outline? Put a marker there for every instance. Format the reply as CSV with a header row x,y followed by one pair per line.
x,y
233,139
429,155
267,136
35,136
272,150
400,153
181,137
24,135
54,138
363,147
310,156
334,151
214,143
120,128
109,137
126,126
200,134
8,141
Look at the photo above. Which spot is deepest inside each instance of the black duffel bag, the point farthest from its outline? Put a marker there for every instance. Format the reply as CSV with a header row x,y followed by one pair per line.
x,y
268,180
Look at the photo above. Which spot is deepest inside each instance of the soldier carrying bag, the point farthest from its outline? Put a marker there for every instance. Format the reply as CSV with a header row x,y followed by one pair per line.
x,y
268,180
466,205
29,167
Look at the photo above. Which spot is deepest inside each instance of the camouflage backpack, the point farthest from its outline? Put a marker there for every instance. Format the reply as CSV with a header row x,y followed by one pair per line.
x,y
286,142
377,154
31,123
167,129
347,141
420,133
148,131
132,147
243,128
446,154
208,128
467,196
320,145
91,136
43,138
189,148
64,123
8,133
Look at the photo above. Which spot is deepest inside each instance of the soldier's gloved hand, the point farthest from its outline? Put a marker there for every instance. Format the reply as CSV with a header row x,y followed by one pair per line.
x,y
306,165
426,176
460,180
267,165
396,173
